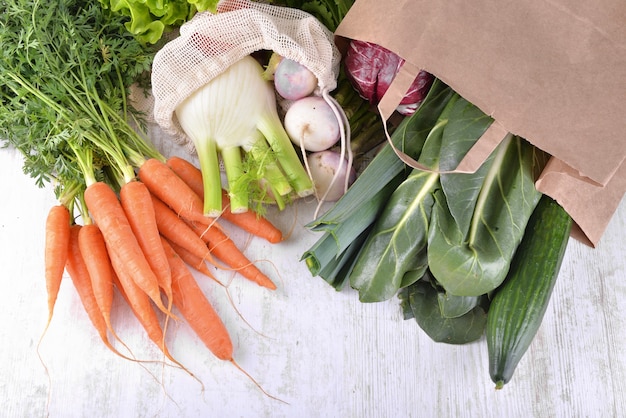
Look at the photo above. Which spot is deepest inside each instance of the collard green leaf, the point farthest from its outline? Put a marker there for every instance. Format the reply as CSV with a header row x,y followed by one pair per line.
x,y
474,262
400,233
405,304
398,236
452,306
423,300
466,124
420,266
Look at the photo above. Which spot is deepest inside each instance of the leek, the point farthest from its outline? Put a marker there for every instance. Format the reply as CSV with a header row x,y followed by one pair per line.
x,y
409,137
347,220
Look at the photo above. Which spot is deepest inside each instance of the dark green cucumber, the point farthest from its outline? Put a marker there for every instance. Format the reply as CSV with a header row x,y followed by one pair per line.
x,y
519,304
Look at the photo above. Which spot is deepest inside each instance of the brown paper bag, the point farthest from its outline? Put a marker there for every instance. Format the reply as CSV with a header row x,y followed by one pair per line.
x,y
552,72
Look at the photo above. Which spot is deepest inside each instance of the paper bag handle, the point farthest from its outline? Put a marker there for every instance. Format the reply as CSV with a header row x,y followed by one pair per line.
x,y
474,158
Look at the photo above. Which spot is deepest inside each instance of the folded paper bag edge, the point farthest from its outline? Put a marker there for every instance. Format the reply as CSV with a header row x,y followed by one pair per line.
x,y
397,89
358,24
558,180
591,206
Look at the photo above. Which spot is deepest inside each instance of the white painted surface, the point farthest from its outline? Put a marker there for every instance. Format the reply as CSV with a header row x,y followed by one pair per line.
x,y
321,351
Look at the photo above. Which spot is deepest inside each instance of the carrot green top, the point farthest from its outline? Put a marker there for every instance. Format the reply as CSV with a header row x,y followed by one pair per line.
x,y
65,70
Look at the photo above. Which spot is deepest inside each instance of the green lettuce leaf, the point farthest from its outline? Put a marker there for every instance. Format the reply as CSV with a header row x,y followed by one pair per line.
x,y
149,19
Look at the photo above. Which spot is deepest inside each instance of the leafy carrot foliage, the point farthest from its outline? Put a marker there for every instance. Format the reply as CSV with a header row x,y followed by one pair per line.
x,y
65,70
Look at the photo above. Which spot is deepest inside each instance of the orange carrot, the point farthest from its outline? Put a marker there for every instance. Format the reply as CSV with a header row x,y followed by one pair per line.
x,y
194,306
98,263
196,309
56,250
172,190
109,215
252,222
140,304
249,221
96,259
178,231
79,274
224,249
190,174
197,263
136,201
141,307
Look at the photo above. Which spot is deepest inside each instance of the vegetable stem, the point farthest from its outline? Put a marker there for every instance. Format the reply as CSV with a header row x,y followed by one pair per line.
x,y
233,165
287,157
211,177
490,178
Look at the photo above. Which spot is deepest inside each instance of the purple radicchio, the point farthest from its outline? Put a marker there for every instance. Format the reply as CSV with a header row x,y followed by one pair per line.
x,y
371,69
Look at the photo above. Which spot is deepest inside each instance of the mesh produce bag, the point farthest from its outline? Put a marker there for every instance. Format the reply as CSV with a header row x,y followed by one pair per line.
x,y
209,43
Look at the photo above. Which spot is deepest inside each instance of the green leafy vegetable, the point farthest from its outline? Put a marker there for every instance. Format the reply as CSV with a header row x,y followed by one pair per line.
x,y
357,210
466,123
471,257
399,238
148,20
329,12
65,70
421,301
400,232
452,306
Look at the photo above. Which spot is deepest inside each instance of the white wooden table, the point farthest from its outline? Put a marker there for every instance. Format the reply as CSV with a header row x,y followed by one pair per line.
x,y
322,352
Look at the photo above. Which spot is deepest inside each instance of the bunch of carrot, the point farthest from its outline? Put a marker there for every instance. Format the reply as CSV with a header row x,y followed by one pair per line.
x,y
142,240
127,218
